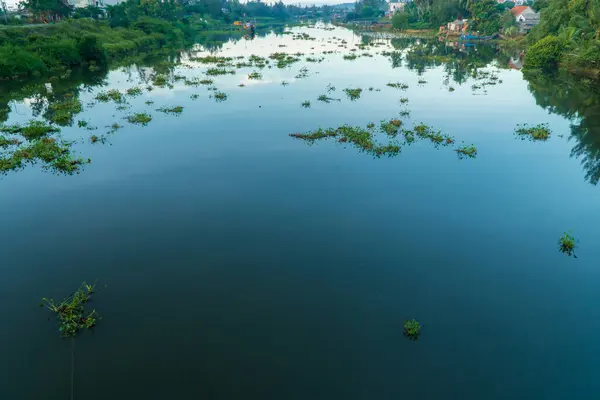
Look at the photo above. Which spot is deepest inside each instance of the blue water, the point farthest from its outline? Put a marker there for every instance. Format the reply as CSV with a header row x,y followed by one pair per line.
x,y
235,262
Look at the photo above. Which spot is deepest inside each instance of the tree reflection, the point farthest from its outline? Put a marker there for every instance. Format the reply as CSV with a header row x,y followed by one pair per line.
x,y
578,100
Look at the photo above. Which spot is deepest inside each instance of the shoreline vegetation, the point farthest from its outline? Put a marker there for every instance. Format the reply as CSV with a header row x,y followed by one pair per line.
x,y
566,36
130,28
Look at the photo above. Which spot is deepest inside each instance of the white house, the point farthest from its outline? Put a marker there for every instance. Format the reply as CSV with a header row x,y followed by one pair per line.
x,y
394,6
86,3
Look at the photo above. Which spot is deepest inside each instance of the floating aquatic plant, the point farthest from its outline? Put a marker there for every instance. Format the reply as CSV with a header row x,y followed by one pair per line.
x,y
397,85
219,96
219,71
326,99
54,155
134,91
422,81
171,110
391,127
149,102
306,104
412,329
255,75
71,313
467,151
159,80
566,244
109,95
32,131
350,57
353,94
139,119
538,132
62,113
195,96
6,142
403,100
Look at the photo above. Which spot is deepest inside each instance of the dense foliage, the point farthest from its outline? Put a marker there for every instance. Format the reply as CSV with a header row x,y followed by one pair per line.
x,y
127,28
577,24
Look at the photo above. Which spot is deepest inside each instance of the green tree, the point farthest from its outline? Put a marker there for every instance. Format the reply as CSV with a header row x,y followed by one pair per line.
x,y
545,54
485,16
400,20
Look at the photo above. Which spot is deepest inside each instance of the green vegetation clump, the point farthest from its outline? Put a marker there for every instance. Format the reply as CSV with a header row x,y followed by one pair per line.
x,y
139,119
53,154
219,71
160,80
412,329
353,94
538,132
171,110
360,138
6,142
467,151
566,244
195,96
306,104
391,127
545,54
34,130
219,96
350,57
398,85
62,113
211,60
326,99
403,100
283,59
112,94
134,91
426,132
255,75
71,313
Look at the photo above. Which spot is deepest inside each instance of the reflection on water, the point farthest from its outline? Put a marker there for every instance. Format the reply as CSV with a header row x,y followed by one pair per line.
x,y
236,262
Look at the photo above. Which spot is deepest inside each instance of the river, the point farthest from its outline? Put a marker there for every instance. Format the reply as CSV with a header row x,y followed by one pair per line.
x,y
236,262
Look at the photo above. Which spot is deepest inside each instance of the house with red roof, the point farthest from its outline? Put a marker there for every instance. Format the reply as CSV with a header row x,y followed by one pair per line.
x,y
526,17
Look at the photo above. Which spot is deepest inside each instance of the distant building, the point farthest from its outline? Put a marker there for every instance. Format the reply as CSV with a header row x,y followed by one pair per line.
x,y
394,6
457,26
86,3
525,17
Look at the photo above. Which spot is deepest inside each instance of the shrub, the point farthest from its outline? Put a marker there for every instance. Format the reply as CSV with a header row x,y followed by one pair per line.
x,y
545,54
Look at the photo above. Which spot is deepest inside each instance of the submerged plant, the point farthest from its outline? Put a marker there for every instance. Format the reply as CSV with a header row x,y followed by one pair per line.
x,y
139,119
538,132
71,313
171,110
412,329
353,94
467,151
566,244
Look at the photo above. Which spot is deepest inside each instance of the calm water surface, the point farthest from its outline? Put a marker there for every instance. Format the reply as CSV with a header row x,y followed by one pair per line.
x,y
235,262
